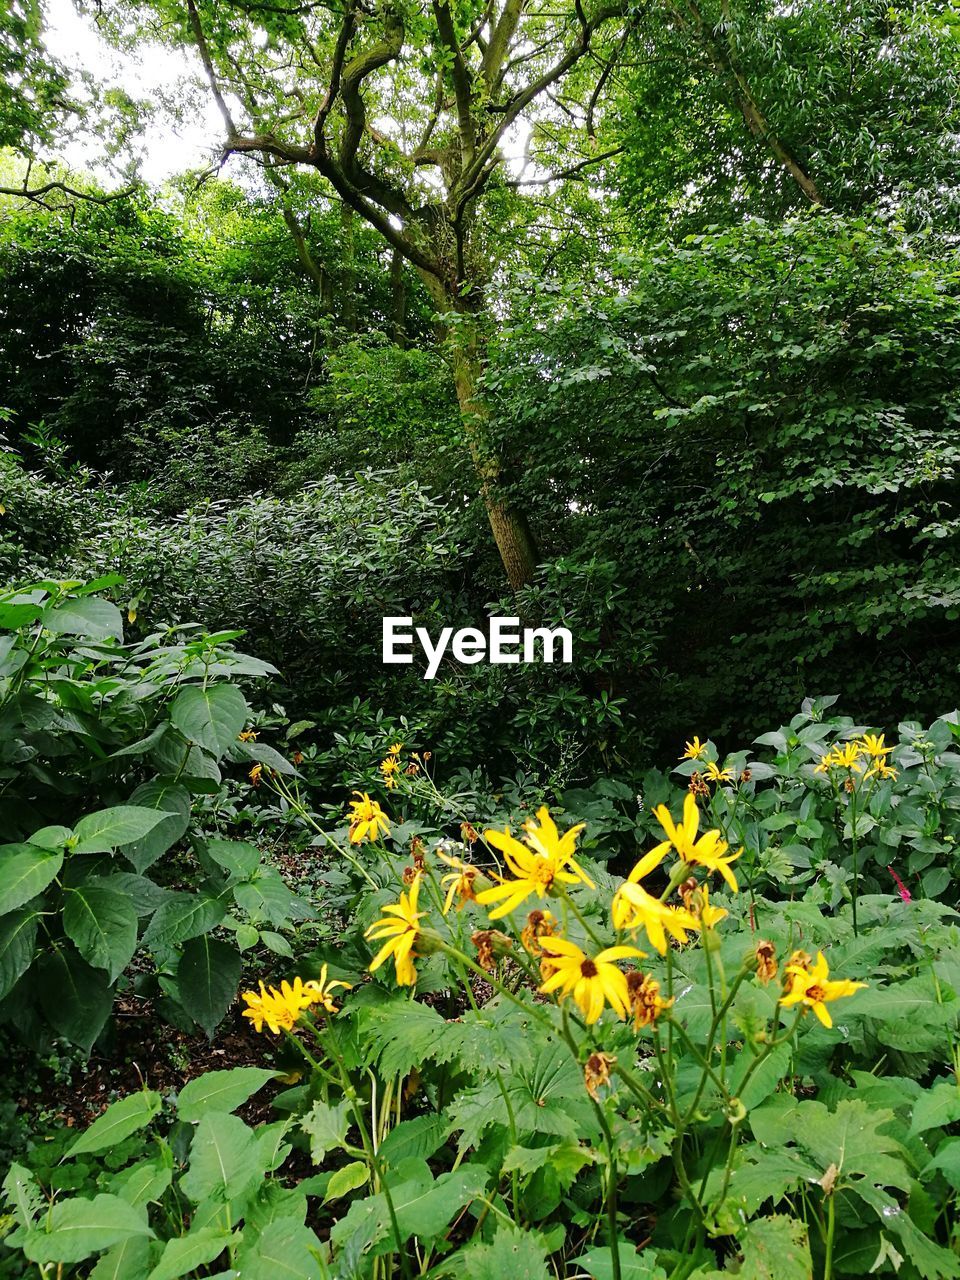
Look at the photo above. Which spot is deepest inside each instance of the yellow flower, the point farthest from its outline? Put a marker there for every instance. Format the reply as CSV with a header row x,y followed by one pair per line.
x,y
846,756
646,1003
813,989
882,770
280,1009
399,925
694,750
366,819
873,746
709,851
390,765
716,774
460,881
634,908
255,774
697,902
248,735
593,981
320,990
395,749
548,858
269,1007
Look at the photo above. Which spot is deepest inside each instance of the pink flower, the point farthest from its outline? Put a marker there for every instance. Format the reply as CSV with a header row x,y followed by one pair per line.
x,y
901,887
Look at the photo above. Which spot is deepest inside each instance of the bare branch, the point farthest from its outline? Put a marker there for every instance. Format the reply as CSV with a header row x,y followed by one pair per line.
x,y
565,174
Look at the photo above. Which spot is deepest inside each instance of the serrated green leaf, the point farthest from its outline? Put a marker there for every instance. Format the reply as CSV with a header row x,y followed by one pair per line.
x,y
102,922
18,937
25,871
207,980
106,830
212,716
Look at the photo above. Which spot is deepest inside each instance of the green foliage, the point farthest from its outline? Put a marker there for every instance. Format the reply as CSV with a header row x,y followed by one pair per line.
x,y
771,413
107,747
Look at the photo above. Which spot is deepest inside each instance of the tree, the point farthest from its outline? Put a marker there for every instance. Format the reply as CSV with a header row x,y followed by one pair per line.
x,y
407,111
741,107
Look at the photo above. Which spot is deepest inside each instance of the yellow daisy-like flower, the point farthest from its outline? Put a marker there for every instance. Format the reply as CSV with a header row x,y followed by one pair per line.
x,y
366,819
460,882
548,858
593,981
395,749
873,745
399,924
713,773
709,851
846,756
248,735
390,765
694,750
882,770
255,774
321,991
813,989
270,1008
280,1009
634,908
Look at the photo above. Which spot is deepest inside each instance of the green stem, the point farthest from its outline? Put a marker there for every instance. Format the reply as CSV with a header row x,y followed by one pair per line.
x,y
831,1229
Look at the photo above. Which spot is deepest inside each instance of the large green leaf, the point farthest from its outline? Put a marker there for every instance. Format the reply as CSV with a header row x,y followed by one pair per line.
x,y
103,924
129,1260
25,870
183,916
235,856
220,1091
423,1205
118,1121
285,1250
76,1229
18,936
223,1159
521,1255
207,980
776,1248
212,717
76,999
186,1253
144,1182
169,799
598,1263
92,618
107,830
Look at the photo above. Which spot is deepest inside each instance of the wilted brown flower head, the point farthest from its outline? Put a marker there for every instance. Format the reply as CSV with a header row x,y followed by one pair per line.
x,y
539,925
766,956
646,1003
489,944
596,1073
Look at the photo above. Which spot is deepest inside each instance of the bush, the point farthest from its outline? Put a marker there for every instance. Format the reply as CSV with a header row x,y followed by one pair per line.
x,y
106,749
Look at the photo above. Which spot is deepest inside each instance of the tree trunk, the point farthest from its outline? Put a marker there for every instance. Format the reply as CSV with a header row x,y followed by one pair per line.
x,y
398,298
349,276
511,530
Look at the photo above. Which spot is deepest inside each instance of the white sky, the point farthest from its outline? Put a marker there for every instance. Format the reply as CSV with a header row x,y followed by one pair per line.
x,y
176,146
